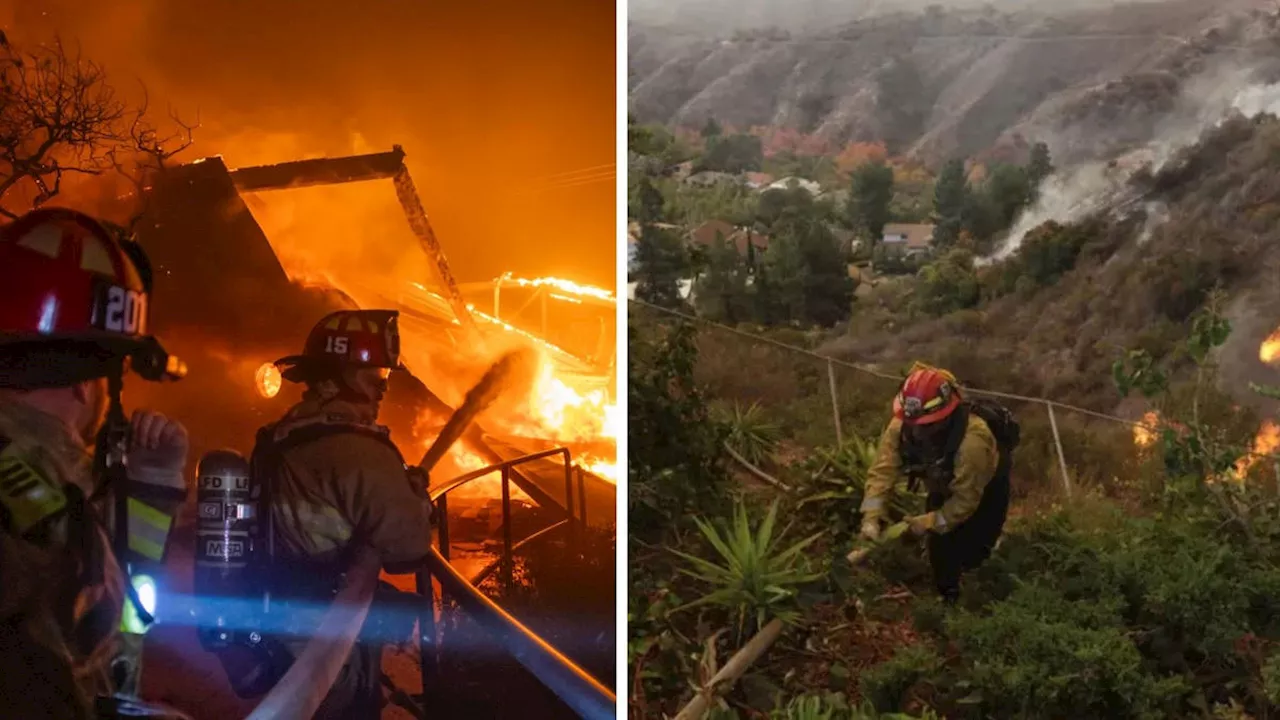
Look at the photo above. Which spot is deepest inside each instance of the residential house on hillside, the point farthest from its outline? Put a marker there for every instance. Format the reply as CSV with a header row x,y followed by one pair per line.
x,y
757,180
706,233
785,183
909,238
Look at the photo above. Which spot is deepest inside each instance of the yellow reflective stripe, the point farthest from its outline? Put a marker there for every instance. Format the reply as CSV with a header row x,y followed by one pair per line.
x,y
27,494
148,530
323,525
933,403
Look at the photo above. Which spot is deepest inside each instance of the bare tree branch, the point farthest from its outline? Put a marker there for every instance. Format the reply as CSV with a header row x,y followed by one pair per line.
x,y
58,115
144,152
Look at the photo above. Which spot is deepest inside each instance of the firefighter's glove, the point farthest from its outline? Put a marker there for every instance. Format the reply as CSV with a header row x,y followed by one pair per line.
x,y
921,524
871,529
157,450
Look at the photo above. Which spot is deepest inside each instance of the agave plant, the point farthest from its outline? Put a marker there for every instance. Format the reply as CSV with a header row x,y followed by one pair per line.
x,y
755,578
814,707
751,434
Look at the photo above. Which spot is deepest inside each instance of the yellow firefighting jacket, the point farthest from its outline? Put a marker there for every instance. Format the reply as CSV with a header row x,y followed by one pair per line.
x,y
59,633
975,466
61,588
346,487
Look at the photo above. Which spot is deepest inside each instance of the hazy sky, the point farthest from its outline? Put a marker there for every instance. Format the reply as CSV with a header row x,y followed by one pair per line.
x,y
710,15
488,99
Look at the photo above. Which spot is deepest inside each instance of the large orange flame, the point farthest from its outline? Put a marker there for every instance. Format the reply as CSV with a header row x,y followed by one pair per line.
x,y
1145,435
1265,442
1269,351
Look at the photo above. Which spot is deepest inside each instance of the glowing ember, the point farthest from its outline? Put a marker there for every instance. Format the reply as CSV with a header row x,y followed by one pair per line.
x,y
1145,436
267,380
566,286
1269,351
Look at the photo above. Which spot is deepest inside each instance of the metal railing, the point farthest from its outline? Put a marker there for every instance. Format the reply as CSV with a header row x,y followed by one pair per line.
x,y
573,685
297,697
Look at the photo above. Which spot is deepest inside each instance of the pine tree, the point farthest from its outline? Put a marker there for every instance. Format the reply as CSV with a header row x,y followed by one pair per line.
x,y
950,200
1039,167
660,256
869,198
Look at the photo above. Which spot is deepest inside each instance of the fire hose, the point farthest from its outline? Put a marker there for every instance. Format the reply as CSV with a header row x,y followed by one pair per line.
x,y
303,688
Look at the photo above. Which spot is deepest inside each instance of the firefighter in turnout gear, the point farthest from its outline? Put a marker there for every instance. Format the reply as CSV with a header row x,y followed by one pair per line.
x,y
960,450
73,322
334,481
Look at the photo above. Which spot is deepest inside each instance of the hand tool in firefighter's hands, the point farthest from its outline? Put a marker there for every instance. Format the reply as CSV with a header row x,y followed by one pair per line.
x,y
860,552
478,399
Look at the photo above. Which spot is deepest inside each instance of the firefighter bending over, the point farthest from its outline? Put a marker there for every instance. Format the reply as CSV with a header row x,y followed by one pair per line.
x,y
961,450
334,480
73,320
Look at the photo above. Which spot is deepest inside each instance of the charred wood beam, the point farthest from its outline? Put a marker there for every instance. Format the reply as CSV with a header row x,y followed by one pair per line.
x,y
358,168
321,171
416,214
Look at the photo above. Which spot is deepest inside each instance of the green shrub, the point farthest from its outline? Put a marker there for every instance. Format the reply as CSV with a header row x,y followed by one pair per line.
x,y
886,685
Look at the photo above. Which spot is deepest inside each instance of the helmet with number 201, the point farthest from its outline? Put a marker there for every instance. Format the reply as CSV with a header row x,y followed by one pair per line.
x,y
76,299
348,338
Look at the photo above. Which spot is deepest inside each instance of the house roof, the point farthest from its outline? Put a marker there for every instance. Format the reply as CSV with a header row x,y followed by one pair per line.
x,y
705,235
919,237
785,183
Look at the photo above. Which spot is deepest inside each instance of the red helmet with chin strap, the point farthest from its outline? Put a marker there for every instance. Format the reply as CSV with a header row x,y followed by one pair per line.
x,y
928,395
75,300
347,338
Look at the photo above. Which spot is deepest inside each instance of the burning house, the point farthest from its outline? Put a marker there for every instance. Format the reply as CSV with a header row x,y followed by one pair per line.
x,y
229,306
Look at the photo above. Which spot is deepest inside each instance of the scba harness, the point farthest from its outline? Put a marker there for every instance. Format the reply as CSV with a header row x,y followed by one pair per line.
x,y
936,469
31,504
274,599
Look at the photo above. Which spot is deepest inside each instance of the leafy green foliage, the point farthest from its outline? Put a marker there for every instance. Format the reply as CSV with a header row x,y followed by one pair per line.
x,y
732,154
756,579
674,462
948,284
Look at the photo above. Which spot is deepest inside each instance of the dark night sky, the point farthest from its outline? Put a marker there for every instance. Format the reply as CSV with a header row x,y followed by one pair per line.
x,y
488,99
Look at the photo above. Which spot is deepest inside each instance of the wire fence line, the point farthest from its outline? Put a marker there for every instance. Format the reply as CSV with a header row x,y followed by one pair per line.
x,y
832,362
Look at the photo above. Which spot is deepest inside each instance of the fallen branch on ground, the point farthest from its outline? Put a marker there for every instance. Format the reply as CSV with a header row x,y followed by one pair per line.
x,y
755,470
731,671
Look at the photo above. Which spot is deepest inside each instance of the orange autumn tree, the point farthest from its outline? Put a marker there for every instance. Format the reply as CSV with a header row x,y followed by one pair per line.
x,y
856,154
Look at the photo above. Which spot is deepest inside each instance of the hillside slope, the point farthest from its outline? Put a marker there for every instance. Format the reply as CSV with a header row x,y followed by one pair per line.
x,y
967,78
1146,258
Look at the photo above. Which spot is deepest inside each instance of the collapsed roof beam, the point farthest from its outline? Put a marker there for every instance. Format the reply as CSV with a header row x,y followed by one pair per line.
x,y
357,168
321,171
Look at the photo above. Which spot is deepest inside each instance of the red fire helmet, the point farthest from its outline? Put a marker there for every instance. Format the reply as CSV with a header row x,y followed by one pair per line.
x,y
69,286
928,395
348,338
